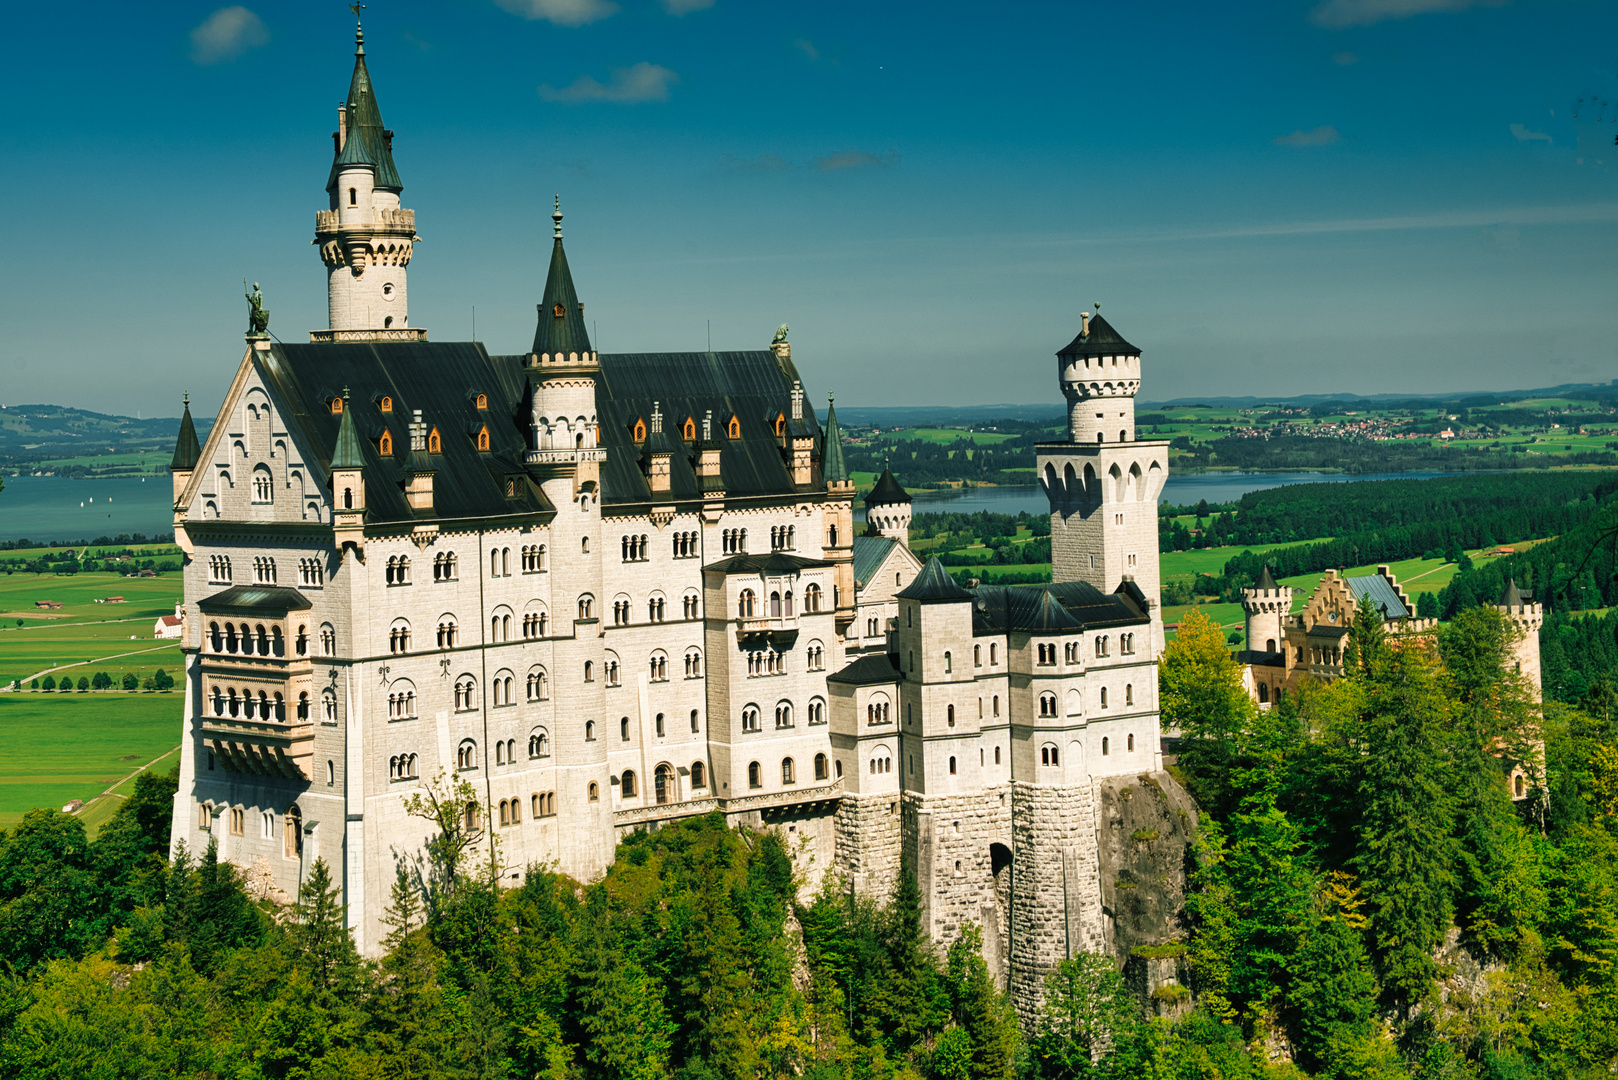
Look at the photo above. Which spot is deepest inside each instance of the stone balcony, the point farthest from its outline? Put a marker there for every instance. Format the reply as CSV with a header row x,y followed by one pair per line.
x,y
774,800
401,222
776,629
262,747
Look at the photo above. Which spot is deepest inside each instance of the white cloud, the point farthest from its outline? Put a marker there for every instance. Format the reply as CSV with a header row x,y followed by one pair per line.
x,y
856,159
642,82
226,34
1524,135
1324,135
561,12
1337,14
686,7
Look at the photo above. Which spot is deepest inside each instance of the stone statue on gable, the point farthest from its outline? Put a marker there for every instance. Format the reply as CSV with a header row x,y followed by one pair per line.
x,y
780,334
258,316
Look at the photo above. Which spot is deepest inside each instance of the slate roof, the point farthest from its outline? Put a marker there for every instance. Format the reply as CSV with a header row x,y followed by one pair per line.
x,y
368,142
999,608
435,377
1261,658
255,598
934,583
187,451
1102,340
869,553
1382,597
753,386
560,328
776,562
1266,580
349,453
867,670
887,491
834,467
1513,596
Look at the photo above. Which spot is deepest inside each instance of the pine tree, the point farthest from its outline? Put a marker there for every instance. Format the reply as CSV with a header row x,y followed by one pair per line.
x,y
319,934
979,1010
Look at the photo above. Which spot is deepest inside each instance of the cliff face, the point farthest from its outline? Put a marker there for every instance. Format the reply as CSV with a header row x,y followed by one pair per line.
x,y
1145,826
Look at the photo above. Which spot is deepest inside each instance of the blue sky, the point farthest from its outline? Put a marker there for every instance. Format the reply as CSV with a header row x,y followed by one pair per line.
x,y
1267,198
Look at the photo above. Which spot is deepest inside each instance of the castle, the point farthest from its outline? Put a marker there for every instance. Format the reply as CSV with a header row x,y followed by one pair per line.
x,y
615,590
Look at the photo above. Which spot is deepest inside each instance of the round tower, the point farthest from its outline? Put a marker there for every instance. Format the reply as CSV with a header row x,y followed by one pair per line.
x,y
1267,605
365,238
887,509
1527,616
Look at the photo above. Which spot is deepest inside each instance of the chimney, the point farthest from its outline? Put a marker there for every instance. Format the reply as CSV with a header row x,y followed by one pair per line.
x,y
419,470
1084,328
797,399
658,454
342,126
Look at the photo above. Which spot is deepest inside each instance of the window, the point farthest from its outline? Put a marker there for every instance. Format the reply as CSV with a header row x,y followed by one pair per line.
x,y
877,710
399,637
746,604
620,613
311,573
821,768
750,718
263,489
626,785
328,640
815,658
948,662
1103,697
699,775
586,605
1104,747
634,548
537,689
1131,748
435,444
997,704
444,566
734,428
696,723
543,804
589,731
693,664
264,570
993,653
949,711
353,200
881,762
328,706
1101,645
589,671
952,765
997,755
755,775
811,599
663,785
1047,704
238,818
623,729
401,702
1048,755
466,755
659,667
783,715
219,569
466,693
1129,694
788,776
292,844
595,792
817,712
402,767
654,609
1126,644
684,545
689,606
533,558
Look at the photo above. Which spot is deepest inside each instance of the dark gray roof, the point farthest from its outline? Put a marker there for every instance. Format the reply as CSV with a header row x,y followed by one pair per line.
x,y
1266,580
349,452
254,598
1383,599
1260,658
887,491
776,562
877,668
869,552
1102,340
755,387
1512,596
834,467
187,451
1327,630
934,583
435,377
368,142
999,608
560,328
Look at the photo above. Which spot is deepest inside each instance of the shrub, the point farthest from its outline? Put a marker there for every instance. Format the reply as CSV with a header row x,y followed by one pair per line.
x,y
1159,952
1170,992
50,683
33,684
1143,836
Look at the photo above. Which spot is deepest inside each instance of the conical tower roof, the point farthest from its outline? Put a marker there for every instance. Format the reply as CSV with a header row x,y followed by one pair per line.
x,y
187,451
368,142
1512,596
1100,340
561,317
887,491
833,465
934,583
349,454
1266,581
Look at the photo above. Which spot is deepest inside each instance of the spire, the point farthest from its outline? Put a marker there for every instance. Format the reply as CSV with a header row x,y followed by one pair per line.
x,y
348,453
1265,580
367,142
561,316
833,464
187,451
1512,596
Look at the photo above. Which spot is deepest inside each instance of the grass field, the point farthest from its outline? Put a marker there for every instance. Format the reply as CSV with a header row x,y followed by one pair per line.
x,y
949,435
61,747
83,632
95,551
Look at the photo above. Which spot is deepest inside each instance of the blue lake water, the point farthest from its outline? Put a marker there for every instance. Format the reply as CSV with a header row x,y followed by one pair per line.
x,y
49,507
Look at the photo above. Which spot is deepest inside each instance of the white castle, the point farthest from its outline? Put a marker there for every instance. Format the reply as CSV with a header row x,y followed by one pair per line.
x,y
613,591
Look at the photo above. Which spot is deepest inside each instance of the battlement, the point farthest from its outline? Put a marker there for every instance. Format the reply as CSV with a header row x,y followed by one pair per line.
x,y
587,363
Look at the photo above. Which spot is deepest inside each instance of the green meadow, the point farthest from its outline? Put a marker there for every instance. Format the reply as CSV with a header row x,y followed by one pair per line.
x,y
61,747
115,638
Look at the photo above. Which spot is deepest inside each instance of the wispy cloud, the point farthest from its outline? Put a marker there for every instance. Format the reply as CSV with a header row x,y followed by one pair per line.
x,y
226,34
1324,135
855,159
1524,135
807,47
1576,214
626,86
1337,14
1344,59
686,7
561,12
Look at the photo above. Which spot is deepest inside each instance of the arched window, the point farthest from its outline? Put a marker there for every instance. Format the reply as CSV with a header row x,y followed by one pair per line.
x,y
1131,746
811,599
1263,693
696,724
589,731
820,767
626,786
623,729
1048,755
949,711
353,200
1104,747
746,604
699,775
595,792
466,755
755,775
586,605
788,775
1103,697
539,743
663,786
948,662
1129,693
952,764
1047,704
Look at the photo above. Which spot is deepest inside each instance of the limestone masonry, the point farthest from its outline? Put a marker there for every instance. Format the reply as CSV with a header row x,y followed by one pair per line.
x,y
615,590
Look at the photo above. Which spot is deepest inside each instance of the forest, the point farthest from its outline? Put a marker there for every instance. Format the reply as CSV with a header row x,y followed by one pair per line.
x,y
1365,900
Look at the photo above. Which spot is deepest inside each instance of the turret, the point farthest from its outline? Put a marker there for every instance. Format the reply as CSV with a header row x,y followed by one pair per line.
x,y
187,452
888,510
562,370
365,238
1100,373
348,480
1527,617
1267,606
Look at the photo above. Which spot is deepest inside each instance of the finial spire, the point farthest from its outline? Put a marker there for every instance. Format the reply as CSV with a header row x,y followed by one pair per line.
x,y
359,31
185,398
556,216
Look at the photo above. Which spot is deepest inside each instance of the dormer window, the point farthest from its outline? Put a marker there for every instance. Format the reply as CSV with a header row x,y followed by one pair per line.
x,y
734,428
483,401
435,445
385,403
640,431
336,405
558,311
385,443
483,438
689,431
780,425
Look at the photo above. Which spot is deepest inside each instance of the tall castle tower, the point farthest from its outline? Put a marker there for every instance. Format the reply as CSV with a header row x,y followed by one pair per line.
x,y
888,510
1267,605
1527,616
565,457
1102,483
365,238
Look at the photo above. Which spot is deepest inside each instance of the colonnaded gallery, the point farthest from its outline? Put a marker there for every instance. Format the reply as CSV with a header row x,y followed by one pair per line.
x,y
616,590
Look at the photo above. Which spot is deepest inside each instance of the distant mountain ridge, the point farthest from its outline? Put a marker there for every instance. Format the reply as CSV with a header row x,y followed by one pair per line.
x,y
78,442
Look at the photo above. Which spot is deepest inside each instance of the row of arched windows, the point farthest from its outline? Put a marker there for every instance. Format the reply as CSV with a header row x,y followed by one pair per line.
x,y
533,558
251,640
783,537
402,767
444,566
686,545
789,771
634,548
264,570
219,569
397,572
780,603
264,706
734,541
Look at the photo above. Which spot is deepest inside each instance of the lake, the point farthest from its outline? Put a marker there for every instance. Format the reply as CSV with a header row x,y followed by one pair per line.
x,y
49,507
